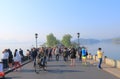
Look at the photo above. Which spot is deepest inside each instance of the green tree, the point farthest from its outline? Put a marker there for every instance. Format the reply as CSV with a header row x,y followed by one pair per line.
x,y
51,40
66,40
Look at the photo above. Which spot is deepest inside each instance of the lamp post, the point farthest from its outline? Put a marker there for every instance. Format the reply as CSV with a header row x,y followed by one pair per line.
x,y
78,35
79,49
36,36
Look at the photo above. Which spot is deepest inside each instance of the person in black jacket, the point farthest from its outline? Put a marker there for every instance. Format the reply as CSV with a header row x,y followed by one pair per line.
x,y
10,58
34,55
73,56
21,54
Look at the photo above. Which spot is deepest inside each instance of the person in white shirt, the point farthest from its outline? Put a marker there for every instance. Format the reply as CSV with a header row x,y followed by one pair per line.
x,y
5,56
17,59
57,53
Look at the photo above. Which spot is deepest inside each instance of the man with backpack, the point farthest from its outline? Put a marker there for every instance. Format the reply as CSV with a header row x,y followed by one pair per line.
x,y
84,55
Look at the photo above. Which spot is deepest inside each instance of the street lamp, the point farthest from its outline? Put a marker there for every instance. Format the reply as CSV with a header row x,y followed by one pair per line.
x,y
36,36
78,39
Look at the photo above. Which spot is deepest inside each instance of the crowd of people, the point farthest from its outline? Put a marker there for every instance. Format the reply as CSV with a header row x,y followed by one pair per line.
x,y
11,60
66,53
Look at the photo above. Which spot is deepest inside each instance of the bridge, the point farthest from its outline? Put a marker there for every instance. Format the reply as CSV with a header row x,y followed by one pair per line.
x,y
63,70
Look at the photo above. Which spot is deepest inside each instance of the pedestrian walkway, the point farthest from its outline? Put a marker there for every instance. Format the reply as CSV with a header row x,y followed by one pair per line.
x,y
61,70
114,71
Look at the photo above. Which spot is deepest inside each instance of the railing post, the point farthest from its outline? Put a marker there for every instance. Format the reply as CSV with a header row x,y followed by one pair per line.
x,y
105,59
95,57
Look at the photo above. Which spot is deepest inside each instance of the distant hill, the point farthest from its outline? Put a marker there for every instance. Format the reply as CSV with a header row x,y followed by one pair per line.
x,y
112,40
106,40
87,41
95,41
116,40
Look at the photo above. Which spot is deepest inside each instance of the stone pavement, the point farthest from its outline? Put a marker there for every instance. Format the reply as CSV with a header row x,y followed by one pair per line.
x,y
61,70
112,70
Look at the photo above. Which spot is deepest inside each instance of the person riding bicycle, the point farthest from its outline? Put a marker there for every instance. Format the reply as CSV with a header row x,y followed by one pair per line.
x,y
41,58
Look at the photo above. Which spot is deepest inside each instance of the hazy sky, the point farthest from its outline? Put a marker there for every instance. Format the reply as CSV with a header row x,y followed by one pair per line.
x,y
21,19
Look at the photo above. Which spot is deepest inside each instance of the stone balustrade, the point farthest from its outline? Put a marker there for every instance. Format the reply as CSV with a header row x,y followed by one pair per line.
x,y
108,61
118,64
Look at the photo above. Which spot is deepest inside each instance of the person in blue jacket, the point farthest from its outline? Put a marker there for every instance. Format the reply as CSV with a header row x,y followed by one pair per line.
x,y
84,55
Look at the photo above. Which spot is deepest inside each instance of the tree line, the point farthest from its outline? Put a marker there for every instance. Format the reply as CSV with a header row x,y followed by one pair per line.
x,y
52,41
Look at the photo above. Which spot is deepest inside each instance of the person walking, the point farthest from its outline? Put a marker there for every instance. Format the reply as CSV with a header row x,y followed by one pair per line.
x,y
10,59
22,55
50,54
34,55
84,56
73,56
99,55
17,60
57,53
42,58
80,54
28,54
5,56
65,54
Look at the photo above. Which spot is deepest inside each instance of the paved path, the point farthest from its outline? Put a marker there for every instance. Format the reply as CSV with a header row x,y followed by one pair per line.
x,y
61,70
108,68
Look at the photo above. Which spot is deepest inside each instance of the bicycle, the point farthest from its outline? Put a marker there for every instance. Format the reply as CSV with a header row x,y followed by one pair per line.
x,y
40,63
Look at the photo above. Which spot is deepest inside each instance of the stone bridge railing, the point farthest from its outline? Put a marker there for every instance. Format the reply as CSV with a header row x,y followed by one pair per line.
x,y
106,60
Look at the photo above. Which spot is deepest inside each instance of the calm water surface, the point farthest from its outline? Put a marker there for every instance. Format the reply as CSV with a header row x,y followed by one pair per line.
x,y
110,50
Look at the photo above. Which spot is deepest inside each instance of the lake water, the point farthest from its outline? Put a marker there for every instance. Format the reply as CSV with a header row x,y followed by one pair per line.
x,y
110,50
